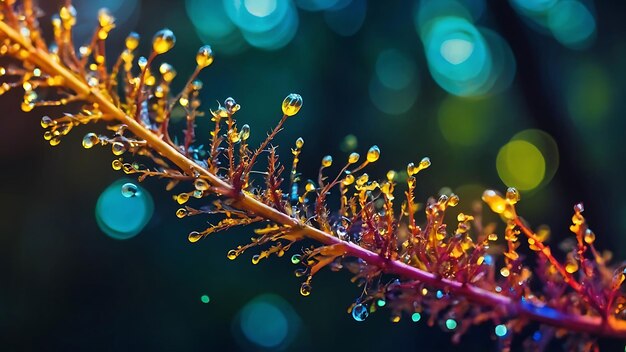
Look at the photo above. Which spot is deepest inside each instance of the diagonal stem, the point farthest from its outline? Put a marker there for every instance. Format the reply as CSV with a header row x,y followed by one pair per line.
x,y
587,324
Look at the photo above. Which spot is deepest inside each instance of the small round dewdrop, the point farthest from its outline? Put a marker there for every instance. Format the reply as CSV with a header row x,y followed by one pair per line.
x,y
292,104
163,41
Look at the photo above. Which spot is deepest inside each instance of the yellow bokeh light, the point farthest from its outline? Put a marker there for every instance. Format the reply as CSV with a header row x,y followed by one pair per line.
x,y
521,165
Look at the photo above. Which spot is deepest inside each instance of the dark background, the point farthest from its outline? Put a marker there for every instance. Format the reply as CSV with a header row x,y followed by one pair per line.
x,y
64,285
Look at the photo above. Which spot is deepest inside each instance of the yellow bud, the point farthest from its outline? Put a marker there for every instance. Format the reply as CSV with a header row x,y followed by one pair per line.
x,y
132,41
353,158
205,56
391,175
498,204
292,104
327,161
163,41
299,142
105,18
167,71
373,154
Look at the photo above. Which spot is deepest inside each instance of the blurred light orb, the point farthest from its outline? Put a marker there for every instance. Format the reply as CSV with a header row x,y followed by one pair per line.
x,y
456,51
534,6
122,217
260,8
394,69
268,322
430,11
520,164
346,20
214,27
458,57
275,37
548,148
572,24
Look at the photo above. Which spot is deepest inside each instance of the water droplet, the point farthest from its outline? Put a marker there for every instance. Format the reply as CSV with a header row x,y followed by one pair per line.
x,y
132,41
232,254
359,312
310,186
130,190
163,41
415,317
90,140
299,142
292,104
54,141
167,72
194,236
201,184
305,289
256,259
373,154
244,134
204,57
353,158
296,258
501,330
327,161
47,135
512,195
182,198
118,148
181,213
590,237
46,121
116,164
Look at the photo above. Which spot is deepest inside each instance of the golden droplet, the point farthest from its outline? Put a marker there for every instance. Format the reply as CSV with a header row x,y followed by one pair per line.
x,y
163,41
373,154
299,143
116,164
232,254
167,71
391,175
132,41
353,158
181,213
512,195
305,289
505,272
205,56
327,161
194,236
310,186
498,204
105,19
55,141
571,267
348,180
201,184
46,121
292,104
424,163
590,237
362,180
118,148
453,201
493,237
244,134
90,140
182,198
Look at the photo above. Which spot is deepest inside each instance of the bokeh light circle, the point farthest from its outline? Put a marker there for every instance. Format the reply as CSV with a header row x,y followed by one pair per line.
x,y
267,322
572,24
123,217
520,164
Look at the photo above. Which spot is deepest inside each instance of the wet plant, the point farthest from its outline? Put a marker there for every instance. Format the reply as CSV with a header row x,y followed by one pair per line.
x,y
455,278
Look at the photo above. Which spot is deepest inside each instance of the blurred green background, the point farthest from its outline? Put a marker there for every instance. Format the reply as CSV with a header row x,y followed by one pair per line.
x,y
525,93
